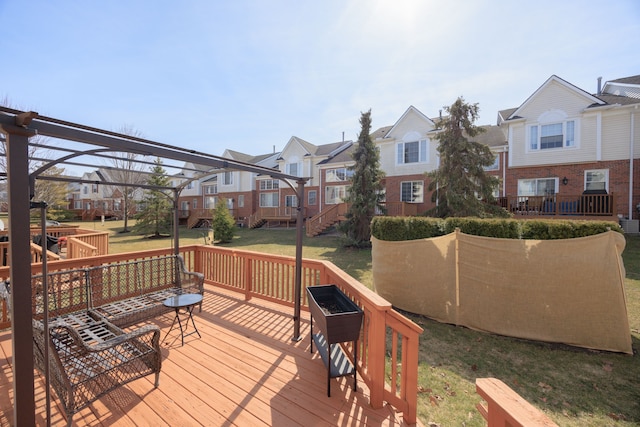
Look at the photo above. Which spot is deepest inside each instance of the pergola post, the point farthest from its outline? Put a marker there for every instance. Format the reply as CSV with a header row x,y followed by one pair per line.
x,y
17,154
298,284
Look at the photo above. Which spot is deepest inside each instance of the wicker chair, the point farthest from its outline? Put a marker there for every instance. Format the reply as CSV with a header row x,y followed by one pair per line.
x,y
88,356
88,363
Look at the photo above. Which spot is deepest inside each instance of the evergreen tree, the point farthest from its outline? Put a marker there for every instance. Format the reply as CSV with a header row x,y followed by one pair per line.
x,y
223,223
365,192
155,217
461,186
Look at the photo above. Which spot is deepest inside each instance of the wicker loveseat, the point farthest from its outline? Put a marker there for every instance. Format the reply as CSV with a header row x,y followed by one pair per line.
x,y
89,354
130,292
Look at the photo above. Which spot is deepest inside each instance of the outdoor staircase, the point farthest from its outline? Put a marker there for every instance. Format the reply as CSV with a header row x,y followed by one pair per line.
x,y
197,217
256,220
322,221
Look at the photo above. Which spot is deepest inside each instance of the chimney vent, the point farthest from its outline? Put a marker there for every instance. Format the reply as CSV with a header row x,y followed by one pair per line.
x,y
599,86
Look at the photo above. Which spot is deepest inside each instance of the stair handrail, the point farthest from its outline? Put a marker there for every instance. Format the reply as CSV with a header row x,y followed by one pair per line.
x,y
326,215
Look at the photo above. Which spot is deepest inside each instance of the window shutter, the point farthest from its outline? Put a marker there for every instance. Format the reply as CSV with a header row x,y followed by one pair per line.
x,y
423,150
400,153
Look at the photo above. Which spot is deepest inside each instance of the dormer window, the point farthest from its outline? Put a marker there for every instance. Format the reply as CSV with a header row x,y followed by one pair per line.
x,y
227,178
412,152
552,131
293,169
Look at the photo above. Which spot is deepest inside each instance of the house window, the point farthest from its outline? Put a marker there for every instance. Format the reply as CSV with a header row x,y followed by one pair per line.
x,y
210,202
194,204
184,206
291,201
495,166
189,185
597,179
77,204
94,188
553,135
411,191
293,169
227,178
268,200
211,189
313,198
412,152
269,184
335,194
537,187
241,201
339,174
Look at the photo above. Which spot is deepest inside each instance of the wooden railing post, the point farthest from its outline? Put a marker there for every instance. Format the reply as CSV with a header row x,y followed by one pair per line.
x,y
248,278
377,353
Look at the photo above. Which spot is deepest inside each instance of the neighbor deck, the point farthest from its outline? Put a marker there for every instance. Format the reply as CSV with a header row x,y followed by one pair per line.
x,y
245,370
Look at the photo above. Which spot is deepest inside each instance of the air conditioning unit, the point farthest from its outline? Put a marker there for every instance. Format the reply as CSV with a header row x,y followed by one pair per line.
x,y
630,226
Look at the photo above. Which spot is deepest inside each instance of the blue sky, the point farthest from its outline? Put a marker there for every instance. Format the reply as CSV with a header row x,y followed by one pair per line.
x,y
249,74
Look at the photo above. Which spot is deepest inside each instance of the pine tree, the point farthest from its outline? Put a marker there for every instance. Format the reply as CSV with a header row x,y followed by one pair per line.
x,y
155,217
223,223
365,192
461,186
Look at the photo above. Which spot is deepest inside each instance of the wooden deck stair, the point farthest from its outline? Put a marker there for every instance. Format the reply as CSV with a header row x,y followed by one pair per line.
x,y
197,216
322,221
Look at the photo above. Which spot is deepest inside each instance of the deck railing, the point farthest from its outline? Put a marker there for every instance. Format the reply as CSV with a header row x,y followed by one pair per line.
x,y
505,407
272,277
561,205
400,209
325,218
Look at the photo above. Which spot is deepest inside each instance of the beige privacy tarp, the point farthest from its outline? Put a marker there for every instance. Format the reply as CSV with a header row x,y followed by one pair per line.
x,y
569,291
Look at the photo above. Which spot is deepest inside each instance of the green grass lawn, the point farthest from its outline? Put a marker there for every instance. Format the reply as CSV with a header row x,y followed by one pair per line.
x,y
575,387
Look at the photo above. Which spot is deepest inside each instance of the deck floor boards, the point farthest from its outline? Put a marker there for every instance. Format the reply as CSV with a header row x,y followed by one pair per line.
x,y
245,371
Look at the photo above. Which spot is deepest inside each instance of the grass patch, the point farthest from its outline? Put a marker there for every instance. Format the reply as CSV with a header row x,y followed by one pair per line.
x,y
575,387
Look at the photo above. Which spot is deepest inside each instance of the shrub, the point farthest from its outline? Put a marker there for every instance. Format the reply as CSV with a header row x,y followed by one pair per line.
x,y
410,228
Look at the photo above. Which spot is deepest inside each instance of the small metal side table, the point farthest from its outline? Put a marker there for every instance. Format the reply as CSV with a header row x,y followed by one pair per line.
x,y
188,302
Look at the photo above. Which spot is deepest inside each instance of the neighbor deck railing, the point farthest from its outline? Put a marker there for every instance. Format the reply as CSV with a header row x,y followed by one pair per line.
x,y
272,277
562,205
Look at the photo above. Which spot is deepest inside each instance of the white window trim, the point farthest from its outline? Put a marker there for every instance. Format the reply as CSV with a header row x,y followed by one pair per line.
x,y
315,195
423,152
230,174
556,181
277,199
606,177
538,125
421,183
334,200
291,201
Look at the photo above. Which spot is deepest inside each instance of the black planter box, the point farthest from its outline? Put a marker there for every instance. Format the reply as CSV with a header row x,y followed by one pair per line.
x,y
338,319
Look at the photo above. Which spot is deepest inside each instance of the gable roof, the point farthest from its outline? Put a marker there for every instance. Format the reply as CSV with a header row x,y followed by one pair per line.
x,y
623,91
493,136
626,87
555,79
344,155
633,80
381,133
319,150
411,109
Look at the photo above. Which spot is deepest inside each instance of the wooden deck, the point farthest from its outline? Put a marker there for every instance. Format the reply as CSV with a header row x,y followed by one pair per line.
x,y
244,371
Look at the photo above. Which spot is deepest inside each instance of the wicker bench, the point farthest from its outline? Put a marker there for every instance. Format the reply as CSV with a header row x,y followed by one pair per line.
x,y
89,353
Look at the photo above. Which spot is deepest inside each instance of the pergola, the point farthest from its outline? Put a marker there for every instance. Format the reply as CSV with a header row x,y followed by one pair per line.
x,y
92,144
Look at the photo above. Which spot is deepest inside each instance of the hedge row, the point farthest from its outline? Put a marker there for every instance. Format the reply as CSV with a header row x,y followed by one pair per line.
x,y
411,228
